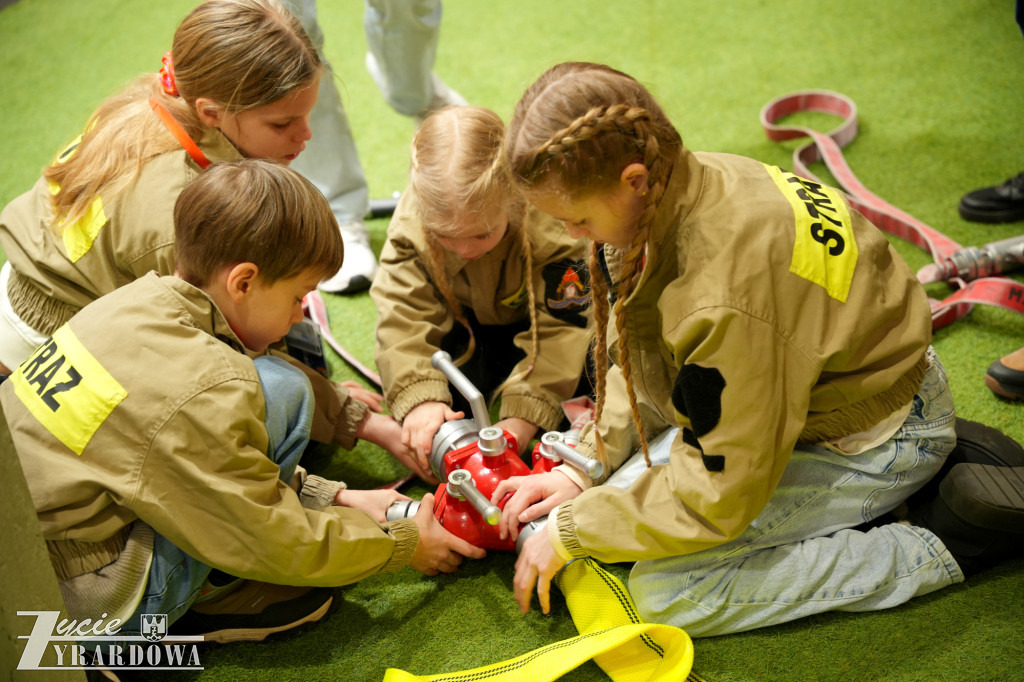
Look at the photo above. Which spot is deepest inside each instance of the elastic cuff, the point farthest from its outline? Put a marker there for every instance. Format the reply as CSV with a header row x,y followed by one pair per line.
x,y
575,475
318,493
353,414
565,528
406,536
531,408
428,390
553,535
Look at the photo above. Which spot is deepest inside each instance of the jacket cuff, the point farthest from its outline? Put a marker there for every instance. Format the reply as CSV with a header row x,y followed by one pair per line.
x,y
318,493
565,529
531,408
556,541
406,536
353,414
427,390
575,475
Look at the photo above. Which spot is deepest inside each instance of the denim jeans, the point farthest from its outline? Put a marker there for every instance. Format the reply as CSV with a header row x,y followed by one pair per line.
x,y
175,577
804,553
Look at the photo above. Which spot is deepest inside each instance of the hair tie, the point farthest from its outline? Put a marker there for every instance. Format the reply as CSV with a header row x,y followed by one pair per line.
x,y
167,75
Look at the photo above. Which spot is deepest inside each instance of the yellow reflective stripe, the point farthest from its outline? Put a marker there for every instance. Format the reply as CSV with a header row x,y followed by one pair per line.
x,y
611,632
517,298
79,235
67,390
824,248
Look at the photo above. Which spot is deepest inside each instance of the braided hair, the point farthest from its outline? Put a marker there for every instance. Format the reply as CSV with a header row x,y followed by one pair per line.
x,y
574,131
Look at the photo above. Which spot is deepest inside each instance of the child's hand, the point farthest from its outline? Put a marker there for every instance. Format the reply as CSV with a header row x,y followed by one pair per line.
x,y
523,430
373,502
375,401
438,551
420,425
537,565
535,496
382,430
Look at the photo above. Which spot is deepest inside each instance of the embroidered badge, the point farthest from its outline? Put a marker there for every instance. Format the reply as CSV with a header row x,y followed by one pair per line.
x,y
567,291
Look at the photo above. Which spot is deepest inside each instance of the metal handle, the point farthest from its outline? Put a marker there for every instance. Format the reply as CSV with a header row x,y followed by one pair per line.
x,y
462,485
403,509
553,447
443,361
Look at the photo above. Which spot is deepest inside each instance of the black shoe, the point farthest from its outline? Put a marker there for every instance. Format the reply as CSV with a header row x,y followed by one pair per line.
x,y
976,443
978,515
999,204
1005,376
383,208
252,611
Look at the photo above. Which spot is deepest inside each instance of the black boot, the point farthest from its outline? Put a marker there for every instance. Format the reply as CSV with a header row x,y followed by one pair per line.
x,y
976,443
978,515
999,204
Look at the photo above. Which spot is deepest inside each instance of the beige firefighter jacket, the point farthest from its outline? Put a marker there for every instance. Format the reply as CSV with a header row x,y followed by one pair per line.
x,y
768,313
144,406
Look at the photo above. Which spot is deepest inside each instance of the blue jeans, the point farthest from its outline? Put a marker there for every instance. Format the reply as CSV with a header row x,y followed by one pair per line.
x,y
803,554
175,577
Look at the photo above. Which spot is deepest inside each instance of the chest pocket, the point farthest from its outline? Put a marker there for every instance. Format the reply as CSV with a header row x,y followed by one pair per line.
x,y
824,248
67,390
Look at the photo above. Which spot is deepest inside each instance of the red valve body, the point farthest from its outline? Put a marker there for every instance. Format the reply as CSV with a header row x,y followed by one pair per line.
x,y
459,517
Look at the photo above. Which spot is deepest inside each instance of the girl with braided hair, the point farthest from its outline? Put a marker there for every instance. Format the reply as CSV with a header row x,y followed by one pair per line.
x,y
777,329
469,269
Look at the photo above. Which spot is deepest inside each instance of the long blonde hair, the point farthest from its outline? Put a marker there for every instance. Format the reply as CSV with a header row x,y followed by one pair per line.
x,y
458,169
241,54
574,130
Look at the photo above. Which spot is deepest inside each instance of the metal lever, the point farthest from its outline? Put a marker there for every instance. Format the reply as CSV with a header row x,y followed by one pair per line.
x,y
462,486
443,361
552,446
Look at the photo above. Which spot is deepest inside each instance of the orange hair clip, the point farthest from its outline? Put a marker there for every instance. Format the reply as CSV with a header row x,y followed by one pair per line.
x,y
167,75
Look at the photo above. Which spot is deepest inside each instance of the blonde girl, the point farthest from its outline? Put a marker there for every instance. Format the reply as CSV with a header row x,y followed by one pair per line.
x,y
469,269
779,332
239,81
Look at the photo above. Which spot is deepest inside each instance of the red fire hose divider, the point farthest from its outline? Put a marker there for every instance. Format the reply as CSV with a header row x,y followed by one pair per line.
x,y
827,147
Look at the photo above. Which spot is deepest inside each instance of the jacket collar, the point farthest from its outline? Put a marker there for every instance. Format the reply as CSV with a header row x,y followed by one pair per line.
x,y
203,312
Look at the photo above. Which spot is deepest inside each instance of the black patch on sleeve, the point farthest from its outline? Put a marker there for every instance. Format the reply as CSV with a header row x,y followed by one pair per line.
x,y
714,463
697,394
567,291
691,439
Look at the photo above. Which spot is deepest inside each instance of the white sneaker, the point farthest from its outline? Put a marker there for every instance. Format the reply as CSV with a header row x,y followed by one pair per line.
x,y
359,266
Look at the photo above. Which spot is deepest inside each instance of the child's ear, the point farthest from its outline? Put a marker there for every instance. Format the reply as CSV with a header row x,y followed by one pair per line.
x,y
240,280
209,112
635,175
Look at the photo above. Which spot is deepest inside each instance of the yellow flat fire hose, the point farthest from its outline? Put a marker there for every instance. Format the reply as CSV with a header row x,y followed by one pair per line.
x,y
611,632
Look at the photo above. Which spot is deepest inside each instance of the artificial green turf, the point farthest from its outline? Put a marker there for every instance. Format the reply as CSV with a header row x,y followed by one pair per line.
x,y
940,91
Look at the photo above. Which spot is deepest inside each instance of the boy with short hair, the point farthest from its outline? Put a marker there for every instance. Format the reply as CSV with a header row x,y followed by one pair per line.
x,y
156,449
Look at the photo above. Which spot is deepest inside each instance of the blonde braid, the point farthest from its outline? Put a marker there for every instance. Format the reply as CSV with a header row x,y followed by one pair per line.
x,y
632,267
599,296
